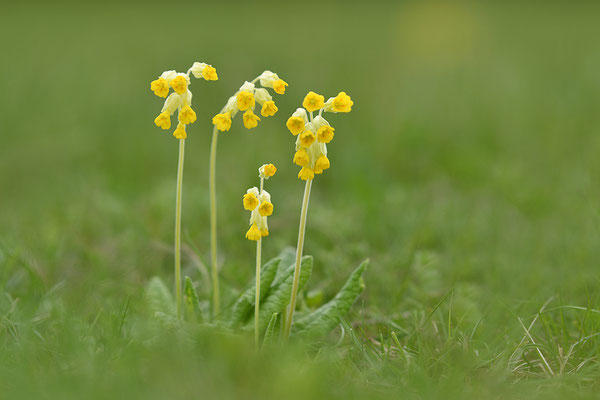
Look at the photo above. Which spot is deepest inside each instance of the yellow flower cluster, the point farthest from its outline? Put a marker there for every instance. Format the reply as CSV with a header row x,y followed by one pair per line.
x,y
259,203
313,133
245,99
181,98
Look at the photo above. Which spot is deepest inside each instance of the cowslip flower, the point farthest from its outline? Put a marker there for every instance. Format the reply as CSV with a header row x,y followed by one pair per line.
x,y
313,133
258,202
247,98
181,101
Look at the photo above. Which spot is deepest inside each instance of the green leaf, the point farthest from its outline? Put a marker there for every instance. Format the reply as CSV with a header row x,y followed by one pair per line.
x,y
242,308
159,298
268,339
325,318
281,290
192,302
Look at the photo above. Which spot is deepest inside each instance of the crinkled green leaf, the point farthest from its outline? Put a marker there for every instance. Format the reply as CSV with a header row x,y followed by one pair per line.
x,y
159,298
242,308
192,302
281,290
326,317
268,338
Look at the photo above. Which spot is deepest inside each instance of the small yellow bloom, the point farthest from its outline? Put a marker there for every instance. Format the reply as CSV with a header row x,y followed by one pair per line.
x,y
342,103
279,86
265,209
254,233
222,121
295,125
187,115
325,134
179,133
250,119
250,201
268,170
179,84
313,102
306,173
301,158
163,120
245,100
307,138
264,232
268,109
322,163
210,73
160,87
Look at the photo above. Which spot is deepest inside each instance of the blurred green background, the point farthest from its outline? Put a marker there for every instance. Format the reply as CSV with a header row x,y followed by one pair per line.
x,y
472,144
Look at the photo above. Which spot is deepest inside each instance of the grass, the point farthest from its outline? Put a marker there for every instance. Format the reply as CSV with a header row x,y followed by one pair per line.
x,y
467,171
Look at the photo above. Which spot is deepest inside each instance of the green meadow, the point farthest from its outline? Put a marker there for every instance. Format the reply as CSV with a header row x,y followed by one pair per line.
x,y
467,172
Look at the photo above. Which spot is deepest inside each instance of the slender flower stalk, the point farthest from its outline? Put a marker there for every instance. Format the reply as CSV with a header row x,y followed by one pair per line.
x,y
258,201
313,134
244,99
180,100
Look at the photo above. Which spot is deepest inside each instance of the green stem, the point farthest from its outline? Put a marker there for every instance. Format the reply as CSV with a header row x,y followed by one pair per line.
x,y
213,222
299,249
257,299
178,228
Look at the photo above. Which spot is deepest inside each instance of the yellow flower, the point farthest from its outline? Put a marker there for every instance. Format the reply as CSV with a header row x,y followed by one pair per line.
x,y
342,103
313,102
307,138
268,109
245,100
179,84
265,209
250,201
253,233
222,121
322,163
160,87
279,86
187,115
179,133
325,134
295,125
267,171
306,173
250,119
301,158
163,120
210,73
264,232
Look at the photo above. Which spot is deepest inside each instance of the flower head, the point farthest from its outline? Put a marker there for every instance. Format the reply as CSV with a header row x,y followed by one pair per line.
x,y
266,171
181,98
313,102
203,70
222,121
260,205
340,103
250,119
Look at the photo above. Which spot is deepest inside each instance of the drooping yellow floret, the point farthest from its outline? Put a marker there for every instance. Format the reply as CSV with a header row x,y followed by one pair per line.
x,y
269,170
163,120
179,84
313,101
295,125
250,119
187,115
279,86
222,121
264,232
325,134
265,209
307,138
306,173
253,233
250,201
322,163
342,103
210,73
179,133
301,157
245,100
160,87
268,109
